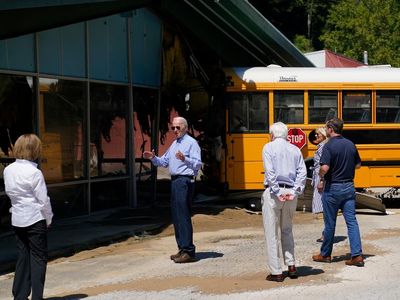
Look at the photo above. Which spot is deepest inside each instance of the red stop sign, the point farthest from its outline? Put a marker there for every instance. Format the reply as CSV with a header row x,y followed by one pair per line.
x,y
297,137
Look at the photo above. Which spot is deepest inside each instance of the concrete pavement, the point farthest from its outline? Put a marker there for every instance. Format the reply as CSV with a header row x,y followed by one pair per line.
x,y
231,264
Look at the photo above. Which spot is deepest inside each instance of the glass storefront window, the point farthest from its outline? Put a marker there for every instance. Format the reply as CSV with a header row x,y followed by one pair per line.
x,y
322,106
5,216
357,106
108,129
109,194
77,101
144,102
16,114
62,129
289,107
16,118
387,106
69,201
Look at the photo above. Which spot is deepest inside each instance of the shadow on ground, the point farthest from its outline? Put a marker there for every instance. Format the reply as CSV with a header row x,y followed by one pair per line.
x,y
208,255
304,271
347,256
69,297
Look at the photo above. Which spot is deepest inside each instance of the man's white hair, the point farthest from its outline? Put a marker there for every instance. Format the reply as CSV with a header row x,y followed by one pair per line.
x,y
181,120
278,130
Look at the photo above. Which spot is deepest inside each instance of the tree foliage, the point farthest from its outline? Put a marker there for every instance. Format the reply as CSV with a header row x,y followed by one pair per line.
x,y
302,43
354,26
297,18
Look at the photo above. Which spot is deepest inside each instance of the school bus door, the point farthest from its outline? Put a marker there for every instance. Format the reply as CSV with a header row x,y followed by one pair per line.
x,y
244,166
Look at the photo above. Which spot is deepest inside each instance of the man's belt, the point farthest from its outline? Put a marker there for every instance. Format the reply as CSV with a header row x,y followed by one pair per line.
x,y
282,185
340,181
173,177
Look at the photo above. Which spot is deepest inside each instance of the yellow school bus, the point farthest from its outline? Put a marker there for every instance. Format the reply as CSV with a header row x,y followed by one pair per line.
x,y
366,98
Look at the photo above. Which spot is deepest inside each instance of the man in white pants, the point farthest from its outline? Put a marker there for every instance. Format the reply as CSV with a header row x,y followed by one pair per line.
x,y
285,177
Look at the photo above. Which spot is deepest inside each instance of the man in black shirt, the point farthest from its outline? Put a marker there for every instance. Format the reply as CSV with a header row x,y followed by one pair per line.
x,y
338,162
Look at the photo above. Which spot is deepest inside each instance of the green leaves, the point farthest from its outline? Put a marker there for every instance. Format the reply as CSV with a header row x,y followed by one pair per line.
x,y
303,44
372,25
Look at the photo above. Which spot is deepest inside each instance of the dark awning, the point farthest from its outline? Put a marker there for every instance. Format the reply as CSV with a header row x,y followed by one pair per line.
x,y
236,31
233,29
27,16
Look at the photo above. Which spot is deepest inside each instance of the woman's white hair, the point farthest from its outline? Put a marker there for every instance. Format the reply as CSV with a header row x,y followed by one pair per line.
x,y
322,131
278,130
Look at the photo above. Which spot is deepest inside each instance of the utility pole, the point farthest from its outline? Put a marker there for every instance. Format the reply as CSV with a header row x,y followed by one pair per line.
x,y
309,18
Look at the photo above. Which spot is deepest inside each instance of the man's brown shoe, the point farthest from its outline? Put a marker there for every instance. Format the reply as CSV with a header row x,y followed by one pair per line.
x,y
184,258
277,278
321,258
292,272
173,256
356,261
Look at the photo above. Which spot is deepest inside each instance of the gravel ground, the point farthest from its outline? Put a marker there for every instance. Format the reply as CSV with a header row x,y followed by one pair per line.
x,y
231,264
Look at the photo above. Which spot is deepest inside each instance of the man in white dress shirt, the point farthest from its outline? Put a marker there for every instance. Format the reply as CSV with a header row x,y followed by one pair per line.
x,y
285,177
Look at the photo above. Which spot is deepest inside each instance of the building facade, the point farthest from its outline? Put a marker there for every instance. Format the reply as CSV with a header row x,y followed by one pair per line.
x,y
76,87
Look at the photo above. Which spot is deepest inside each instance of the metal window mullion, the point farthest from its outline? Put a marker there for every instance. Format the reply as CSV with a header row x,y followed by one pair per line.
x,y
131,155
305,107
155,138
248,111
87,123
156,124
36,88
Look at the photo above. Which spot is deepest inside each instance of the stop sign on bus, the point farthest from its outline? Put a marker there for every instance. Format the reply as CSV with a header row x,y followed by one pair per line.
x,y
297,137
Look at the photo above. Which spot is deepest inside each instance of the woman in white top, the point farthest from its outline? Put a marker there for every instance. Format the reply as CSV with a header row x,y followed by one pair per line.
x,y
31,215
321,139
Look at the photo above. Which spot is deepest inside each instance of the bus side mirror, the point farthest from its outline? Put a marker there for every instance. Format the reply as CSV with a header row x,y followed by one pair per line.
x,y
312,138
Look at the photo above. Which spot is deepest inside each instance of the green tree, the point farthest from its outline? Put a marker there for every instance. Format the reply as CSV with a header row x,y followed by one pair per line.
x,y
355,26
297,17
303,44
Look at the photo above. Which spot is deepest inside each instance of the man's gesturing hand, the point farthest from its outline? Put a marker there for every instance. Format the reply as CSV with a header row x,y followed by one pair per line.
x,y
180,155
148,154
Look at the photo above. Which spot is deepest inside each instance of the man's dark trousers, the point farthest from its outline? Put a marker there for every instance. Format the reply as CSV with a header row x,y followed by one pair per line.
x,y
182,189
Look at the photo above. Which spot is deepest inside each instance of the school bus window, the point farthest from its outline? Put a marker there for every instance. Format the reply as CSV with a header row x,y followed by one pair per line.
x,y
322,106
357,106
248,112
258,114
388,106
238,112
289,107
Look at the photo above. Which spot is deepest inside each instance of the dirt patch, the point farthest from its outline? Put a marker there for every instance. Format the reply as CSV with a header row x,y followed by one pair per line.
x,y
205,219
383,233
209,285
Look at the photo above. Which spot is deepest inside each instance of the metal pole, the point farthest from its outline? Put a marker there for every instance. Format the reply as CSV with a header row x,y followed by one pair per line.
x,y
132,190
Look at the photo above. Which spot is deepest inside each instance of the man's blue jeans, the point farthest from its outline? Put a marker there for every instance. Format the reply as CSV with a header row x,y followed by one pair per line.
x,y
340,196
182,189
